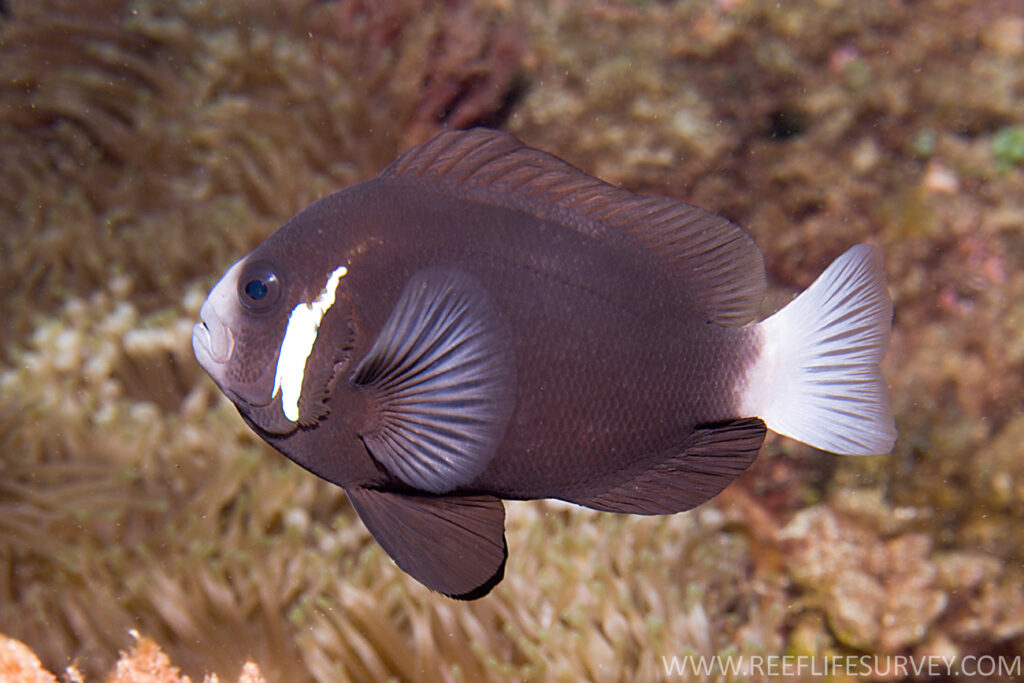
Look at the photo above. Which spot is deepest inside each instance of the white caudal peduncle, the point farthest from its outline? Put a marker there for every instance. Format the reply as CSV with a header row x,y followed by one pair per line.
x,y
817,378
299,337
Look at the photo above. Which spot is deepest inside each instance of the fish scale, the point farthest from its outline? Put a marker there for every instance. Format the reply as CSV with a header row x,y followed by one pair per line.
x,y
483,321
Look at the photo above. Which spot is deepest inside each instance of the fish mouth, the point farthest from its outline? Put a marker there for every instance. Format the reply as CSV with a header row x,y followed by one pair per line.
x,y
212,341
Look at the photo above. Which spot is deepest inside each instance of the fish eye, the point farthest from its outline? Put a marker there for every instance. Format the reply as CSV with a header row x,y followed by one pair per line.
x,y
259,287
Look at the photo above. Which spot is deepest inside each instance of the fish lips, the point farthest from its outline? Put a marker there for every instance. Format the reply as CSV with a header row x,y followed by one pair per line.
x,y
213,343
212,340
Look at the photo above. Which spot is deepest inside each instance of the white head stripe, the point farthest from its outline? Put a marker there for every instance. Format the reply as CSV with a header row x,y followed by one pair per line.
x,y
299,337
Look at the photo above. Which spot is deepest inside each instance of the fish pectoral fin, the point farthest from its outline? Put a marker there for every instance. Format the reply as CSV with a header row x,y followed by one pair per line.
x,y
709,461
454,545
440,380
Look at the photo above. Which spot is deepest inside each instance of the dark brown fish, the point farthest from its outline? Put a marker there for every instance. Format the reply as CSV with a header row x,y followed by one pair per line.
x,y
484,321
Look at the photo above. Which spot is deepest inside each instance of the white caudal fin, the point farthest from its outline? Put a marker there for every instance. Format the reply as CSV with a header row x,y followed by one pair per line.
x,y
817,378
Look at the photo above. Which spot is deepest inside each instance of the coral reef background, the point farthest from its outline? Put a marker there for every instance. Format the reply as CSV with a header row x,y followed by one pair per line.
x,y
145,145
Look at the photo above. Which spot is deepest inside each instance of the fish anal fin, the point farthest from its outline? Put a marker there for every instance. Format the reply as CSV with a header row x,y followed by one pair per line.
x,y
712,458
441,378
454,545
722,268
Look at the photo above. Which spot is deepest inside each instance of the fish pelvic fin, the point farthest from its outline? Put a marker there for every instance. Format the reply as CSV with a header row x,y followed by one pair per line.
x,y
454,544
817,377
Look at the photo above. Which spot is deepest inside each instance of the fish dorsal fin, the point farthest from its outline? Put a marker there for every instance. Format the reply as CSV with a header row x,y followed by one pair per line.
x,y
718,260
441,382
710,460
451,544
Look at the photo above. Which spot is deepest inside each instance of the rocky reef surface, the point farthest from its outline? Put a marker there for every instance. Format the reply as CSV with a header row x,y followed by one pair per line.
x,y
146,145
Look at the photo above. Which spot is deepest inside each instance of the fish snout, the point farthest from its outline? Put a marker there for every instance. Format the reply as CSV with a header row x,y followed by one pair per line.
x,y
212,341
